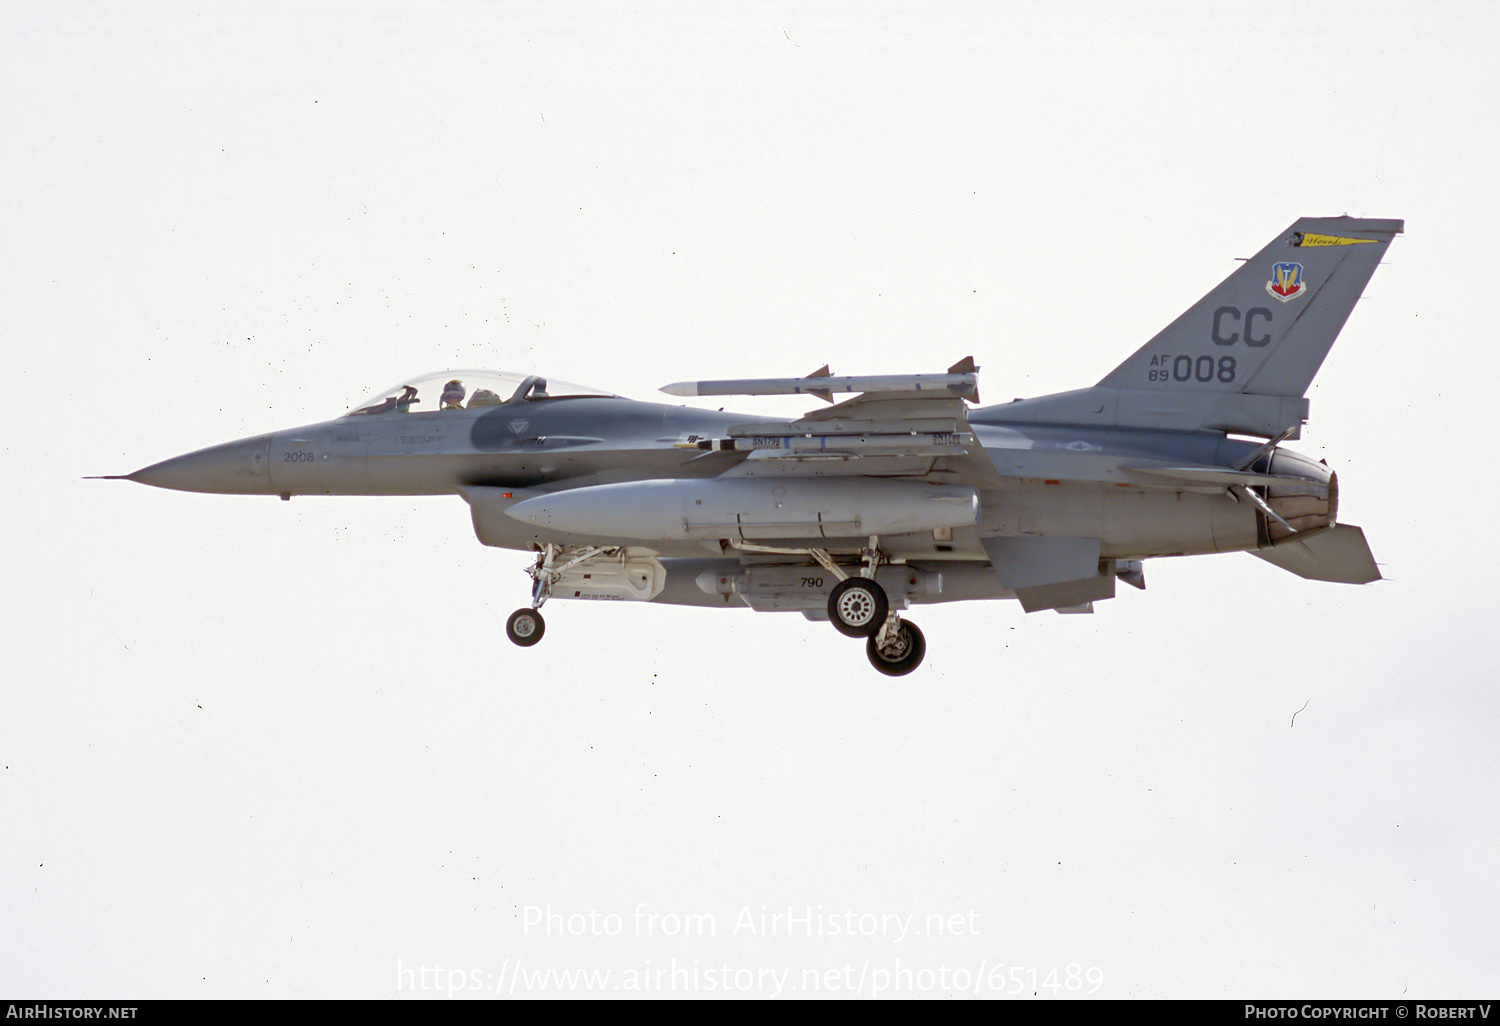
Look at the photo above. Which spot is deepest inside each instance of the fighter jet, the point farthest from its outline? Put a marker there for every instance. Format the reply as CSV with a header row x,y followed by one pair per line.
x,y
910,492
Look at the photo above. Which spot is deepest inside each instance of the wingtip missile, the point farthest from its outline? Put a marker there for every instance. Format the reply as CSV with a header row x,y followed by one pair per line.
x,y
822,393
824,385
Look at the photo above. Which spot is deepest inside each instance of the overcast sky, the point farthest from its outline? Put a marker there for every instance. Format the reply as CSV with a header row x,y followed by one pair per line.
x,y
255,748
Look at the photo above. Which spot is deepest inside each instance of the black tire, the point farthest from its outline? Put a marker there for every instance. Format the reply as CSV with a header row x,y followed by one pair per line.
x,y
525,627
904,655
857,607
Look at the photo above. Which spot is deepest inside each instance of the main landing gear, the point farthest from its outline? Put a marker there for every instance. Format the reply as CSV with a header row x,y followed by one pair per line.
x,y
896,652
859,608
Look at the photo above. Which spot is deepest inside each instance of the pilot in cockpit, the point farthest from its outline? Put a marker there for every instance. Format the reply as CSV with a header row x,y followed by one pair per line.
x,y
453,396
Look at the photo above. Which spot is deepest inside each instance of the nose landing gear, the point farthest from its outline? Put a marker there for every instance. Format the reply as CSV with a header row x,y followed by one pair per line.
x,y
525,627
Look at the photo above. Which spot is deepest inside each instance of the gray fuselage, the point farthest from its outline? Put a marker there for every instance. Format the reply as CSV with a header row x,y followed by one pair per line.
x,y
1031,479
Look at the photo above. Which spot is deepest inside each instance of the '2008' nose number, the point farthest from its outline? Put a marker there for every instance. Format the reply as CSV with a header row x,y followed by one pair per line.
x,y
298,457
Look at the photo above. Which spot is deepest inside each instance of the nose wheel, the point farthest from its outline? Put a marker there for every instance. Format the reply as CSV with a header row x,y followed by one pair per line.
x,y
525,627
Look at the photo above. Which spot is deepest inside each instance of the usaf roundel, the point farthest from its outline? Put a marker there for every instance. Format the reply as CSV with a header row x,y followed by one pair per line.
x,y
1286,281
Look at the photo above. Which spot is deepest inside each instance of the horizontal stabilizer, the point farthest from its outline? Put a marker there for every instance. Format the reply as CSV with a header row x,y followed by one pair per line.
x,y
1068,597
1030,562
1340,555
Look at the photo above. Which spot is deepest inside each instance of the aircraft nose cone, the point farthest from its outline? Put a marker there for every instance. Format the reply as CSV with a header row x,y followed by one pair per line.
x,y
235,468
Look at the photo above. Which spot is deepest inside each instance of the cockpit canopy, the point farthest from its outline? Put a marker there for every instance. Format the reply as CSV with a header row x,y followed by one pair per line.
x,y
467,390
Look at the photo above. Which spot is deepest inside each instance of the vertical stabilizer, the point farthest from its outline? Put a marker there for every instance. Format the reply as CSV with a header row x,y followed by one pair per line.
x,y
1267,327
